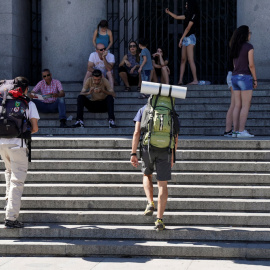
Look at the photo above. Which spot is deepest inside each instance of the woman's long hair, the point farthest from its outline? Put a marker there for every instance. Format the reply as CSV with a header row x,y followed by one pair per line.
x,y
192,7
137,51
164,56
239,37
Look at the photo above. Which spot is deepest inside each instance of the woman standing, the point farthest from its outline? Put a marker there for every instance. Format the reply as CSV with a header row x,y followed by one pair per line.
x,y
188,39
103,35
128,68
244,79
160,64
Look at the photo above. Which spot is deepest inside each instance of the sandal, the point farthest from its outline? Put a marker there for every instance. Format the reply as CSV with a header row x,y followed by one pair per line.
x,y
138,88
127,89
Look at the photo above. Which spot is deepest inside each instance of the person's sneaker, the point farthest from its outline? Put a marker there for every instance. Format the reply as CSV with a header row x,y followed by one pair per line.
x,y
78,123
9,224
63,123
159,225
235,134
5,207
228,134
244,134
150,207
112,124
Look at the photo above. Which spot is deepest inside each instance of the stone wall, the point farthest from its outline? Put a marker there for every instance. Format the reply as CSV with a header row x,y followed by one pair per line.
x,y
15,38
255,14
67,31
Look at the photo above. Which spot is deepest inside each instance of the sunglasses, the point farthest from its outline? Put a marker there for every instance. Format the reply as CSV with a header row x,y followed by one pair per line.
x,y
103,49
47,75
132,46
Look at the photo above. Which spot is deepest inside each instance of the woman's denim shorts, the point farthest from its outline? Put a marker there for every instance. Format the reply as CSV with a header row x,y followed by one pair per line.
x,y
190,40
242,82
229,79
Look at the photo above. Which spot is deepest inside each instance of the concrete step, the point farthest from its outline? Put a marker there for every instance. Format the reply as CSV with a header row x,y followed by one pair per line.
x,y
190,94
112,165
131,115
136,177
189,100
130,123
178,218
84,248
133,190
189,233
139,203
124,154
119,142
183,107
128,131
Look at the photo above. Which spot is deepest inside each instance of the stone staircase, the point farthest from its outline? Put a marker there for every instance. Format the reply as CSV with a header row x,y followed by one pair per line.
x,y
203,112
83,198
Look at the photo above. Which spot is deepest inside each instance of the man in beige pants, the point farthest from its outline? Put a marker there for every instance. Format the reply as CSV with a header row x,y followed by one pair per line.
x,y
15,157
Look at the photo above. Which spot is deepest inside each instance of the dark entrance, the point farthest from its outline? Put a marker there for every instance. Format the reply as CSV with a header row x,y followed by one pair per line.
x,y
131,19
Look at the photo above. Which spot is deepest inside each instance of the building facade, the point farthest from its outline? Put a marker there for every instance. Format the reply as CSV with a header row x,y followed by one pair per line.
x,y
57,34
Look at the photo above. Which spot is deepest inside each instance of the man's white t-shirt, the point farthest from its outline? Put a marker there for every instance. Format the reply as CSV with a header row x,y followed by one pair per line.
x,y
32,112
98,63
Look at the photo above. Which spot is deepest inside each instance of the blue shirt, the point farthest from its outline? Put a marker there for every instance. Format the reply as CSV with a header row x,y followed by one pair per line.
x,y
148,65
139,114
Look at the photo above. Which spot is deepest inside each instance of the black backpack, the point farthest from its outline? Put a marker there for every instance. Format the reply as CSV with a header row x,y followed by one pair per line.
x,y
13,120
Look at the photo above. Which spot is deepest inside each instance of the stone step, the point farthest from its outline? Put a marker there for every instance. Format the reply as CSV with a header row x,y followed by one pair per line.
x,y
139,203
124,154
189,100
128,131
191,233
136,177
131,115
183,166
130,190
76,87
185,142
183,122
83,248
190,94
179,218
185,107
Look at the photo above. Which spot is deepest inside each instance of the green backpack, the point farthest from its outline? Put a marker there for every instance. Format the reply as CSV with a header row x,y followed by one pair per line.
x,y
160,123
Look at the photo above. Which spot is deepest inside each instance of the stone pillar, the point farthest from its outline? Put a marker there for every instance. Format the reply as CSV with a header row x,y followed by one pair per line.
x,y
255,14
15,45
67,31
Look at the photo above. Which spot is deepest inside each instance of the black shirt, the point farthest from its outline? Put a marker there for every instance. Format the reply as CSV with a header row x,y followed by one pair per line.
x,y
191,16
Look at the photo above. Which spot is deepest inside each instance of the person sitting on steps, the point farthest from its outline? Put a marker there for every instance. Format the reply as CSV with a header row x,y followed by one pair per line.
x,y
102,98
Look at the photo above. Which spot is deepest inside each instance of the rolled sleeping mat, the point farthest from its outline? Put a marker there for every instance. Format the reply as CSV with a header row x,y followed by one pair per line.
x,y
165,90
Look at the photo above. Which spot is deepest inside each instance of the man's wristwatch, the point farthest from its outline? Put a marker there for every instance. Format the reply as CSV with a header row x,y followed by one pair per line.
x,y
133,154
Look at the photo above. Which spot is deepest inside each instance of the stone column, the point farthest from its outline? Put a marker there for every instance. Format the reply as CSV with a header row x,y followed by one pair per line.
x,y
255,14
15,37
67,31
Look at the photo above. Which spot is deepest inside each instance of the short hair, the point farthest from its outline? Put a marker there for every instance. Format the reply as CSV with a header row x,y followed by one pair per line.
x,y
96,73
46,69
143,42
21,82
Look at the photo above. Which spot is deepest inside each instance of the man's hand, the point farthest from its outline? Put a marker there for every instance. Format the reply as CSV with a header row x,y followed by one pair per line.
x,y
134,161
32,95
55,95
91,90
104,54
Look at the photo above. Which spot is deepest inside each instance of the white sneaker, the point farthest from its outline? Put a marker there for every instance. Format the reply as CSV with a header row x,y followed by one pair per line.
x,y
244,134
235,134
112,124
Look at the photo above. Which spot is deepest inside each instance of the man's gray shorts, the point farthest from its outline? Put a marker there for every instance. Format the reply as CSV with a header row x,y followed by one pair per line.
x,y
159,157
